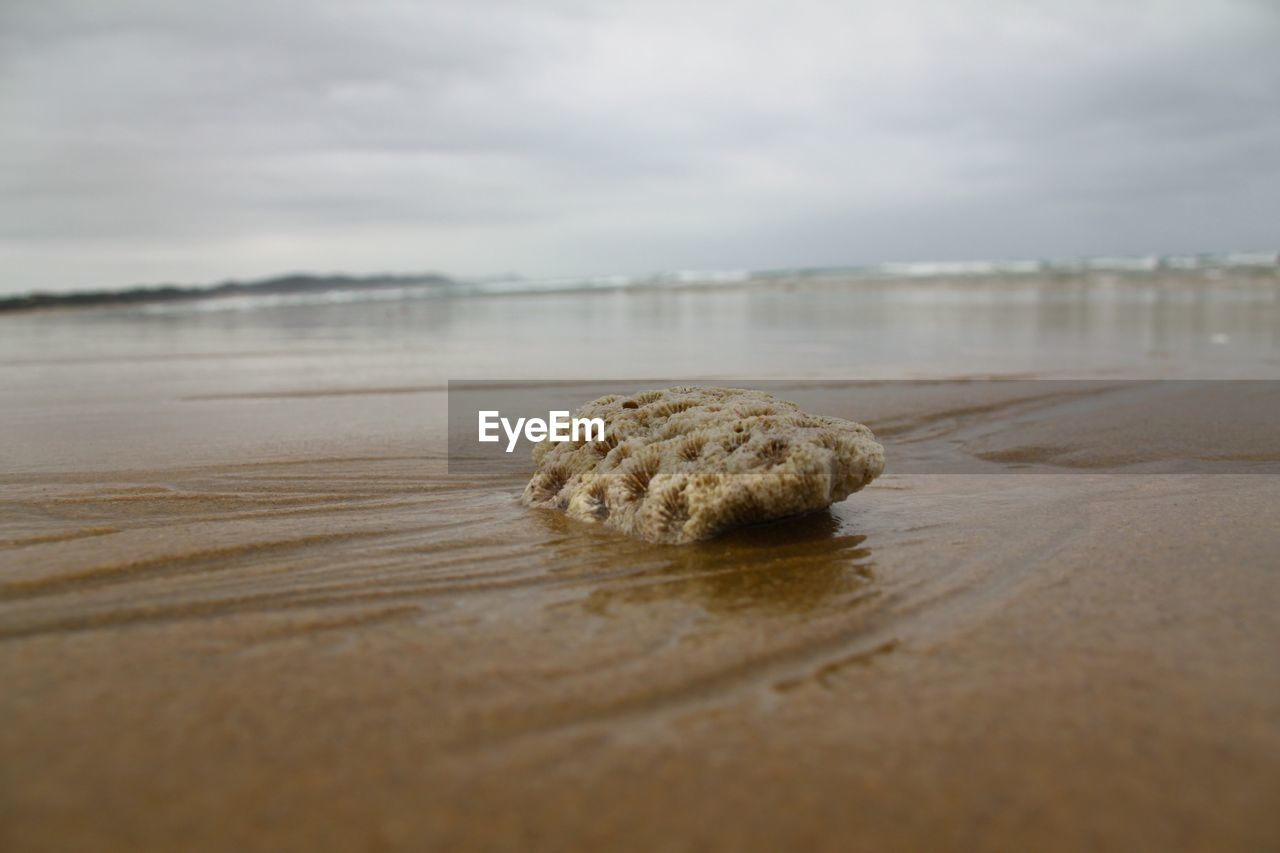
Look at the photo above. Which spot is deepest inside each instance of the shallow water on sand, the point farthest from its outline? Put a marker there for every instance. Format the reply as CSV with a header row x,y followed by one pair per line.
x,y
242,602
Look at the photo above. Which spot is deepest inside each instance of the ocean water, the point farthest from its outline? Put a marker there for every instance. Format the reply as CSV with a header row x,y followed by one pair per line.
x,y
1169,320
93,378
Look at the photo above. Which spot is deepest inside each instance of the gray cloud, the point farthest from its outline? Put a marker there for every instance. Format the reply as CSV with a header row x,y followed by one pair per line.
x,y
148,141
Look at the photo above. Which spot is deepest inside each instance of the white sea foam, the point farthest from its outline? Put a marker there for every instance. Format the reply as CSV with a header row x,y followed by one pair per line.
x,y
1104,273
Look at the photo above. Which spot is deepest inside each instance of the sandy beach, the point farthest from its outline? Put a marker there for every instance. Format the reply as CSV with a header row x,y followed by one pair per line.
x,y
244,604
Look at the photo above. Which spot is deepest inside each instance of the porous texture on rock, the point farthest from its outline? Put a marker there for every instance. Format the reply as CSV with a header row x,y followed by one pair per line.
x,y
688,463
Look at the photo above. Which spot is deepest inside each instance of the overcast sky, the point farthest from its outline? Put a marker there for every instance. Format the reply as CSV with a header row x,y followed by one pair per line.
x,y
199,141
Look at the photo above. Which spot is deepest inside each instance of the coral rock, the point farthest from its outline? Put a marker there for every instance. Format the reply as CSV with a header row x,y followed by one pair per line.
x,y
688,463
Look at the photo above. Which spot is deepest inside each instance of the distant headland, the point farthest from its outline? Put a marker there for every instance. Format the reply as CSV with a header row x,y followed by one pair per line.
x,y
285,284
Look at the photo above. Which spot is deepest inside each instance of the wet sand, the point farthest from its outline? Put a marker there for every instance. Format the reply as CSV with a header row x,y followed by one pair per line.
x,y
278,622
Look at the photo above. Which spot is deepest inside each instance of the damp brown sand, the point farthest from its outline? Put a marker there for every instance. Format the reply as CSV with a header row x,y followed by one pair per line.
x,y
244,606
344,647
